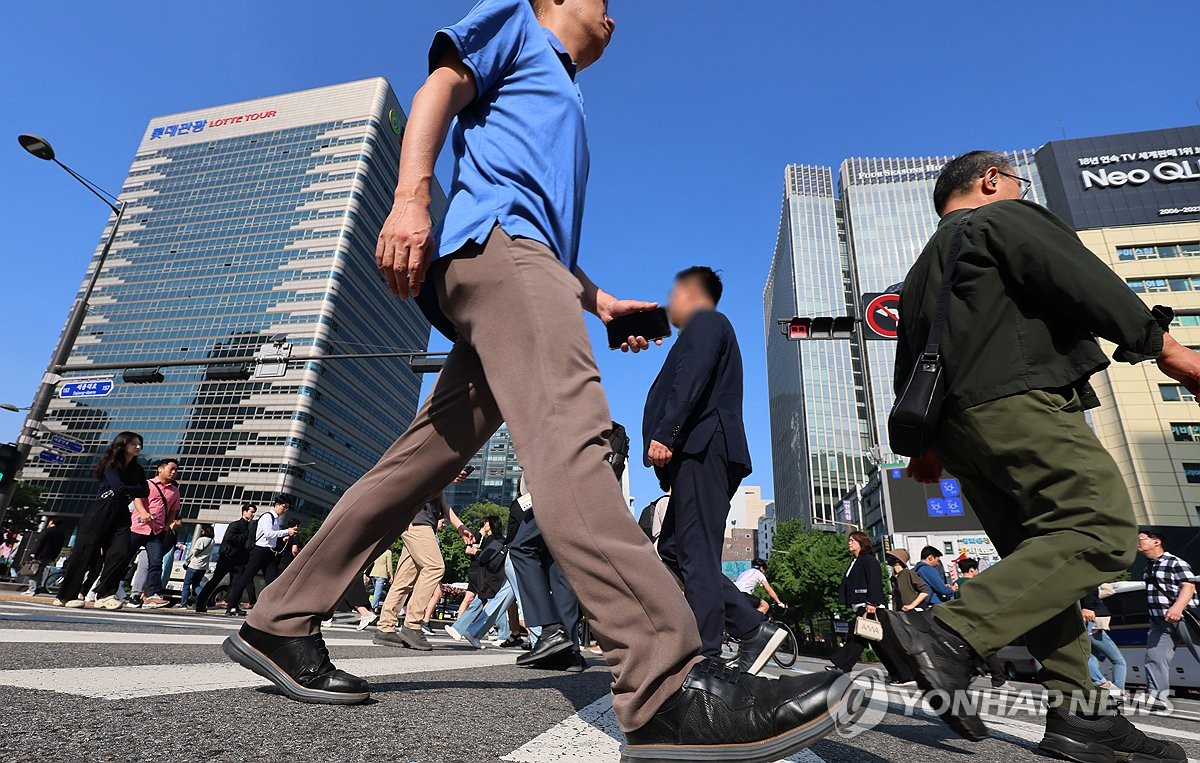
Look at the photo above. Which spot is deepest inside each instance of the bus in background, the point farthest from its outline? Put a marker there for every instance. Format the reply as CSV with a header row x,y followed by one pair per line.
x,y
1131,628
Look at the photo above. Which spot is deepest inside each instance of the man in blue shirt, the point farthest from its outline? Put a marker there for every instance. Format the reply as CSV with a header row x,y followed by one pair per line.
x,y
507,288
930,570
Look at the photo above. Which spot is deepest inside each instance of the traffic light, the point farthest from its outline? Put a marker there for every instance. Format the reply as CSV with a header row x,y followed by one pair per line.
x,y
10,464
142,376
821,327
799,328
227,372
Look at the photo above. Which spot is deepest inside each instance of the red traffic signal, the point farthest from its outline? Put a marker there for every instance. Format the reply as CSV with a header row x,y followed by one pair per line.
x,y
799,328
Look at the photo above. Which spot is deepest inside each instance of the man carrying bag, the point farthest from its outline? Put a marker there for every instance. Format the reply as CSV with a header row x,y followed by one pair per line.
x,y
1024,303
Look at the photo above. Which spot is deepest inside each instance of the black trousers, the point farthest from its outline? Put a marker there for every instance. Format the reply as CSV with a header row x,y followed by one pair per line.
x,y
100,526
546,597
693,533
122,552
261,560
231,567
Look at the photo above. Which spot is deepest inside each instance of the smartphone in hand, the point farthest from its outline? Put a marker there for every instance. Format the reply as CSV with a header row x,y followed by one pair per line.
x,y
651,324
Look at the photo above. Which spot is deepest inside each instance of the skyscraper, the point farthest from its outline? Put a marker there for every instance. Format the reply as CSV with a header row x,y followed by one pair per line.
x,y
248,222
495,475
828,407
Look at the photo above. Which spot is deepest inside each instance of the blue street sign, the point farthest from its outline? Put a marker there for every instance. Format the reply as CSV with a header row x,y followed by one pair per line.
x,y
87,388
52,457
62,442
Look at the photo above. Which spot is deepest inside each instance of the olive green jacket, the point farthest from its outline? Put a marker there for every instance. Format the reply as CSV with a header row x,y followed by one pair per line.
x,y
1028,301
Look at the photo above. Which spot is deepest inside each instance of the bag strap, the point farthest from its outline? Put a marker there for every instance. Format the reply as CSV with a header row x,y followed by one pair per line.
x,y
934,344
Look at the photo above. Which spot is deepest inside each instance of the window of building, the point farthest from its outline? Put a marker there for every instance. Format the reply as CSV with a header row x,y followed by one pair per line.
x,y
1191,472
1186,432
1160,251
1175,393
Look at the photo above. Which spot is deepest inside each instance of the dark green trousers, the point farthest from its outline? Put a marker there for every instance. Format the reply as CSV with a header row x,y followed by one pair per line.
x,y
1054,505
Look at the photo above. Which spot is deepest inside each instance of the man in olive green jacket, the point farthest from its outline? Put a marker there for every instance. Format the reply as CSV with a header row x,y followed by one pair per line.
x,y
1018,348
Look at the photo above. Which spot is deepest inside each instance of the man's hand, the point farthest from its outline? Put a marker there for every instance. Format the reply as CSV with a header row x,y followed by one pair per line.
x,y
467,536
1181,364
871,609
615,308
927,469
472,549
404,248
1089,615
1174,614
292,531
906,608
660,455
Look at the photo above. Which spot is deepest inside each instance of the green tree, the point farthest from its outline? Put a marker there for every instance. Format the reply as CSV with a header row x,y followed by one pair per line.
x,y
27,505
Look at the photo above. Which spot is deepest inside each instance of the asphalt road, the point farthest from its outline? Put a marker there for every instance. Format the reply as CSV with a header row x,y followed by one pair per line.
x,y
82,685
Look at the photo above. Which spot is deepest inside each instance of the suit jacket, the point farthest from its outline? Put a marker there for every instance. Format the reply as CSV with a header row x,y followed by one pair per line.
x,y
863,583
234,546
699,390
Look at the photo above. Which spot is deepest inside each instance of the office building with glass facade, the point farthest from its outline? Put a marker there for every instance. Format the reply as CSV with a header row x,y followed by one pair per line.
x,y
245,222
495,474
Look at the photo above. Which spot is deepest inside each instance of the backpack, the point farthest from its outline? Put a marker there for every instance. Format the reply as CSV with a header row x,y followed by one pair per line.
x,y
618,440
646,519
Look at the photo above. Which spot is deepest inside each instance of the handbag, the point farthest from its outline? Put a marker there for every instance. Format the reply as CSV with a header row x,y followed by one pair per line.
x,y
30,568
868,627
1190,619
913,422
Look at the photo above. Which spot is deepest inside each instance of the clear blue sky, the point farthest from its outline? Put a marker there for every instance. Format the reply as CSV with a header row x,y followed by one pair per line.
x,y
693,114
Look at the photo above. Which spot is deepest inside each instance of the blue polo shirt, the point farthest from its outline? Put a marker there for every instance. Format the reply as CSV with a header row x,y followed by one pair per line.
x,y
520,149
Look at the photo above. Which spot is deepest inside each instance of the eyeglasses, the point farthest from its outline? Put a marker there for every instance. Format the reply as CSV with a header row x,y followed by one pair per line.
x,y
1026,183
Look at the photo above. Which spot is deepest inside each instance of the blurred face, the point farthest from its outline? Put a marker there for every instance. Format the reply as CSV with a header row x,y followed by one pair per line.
x,y
854,547
591,20
167,472
249,513
132,449
281,509
685,299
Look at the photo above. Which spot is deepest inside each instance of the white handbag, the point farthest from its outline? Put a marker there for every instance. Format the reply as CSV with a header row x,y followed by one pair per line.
x,y
868,627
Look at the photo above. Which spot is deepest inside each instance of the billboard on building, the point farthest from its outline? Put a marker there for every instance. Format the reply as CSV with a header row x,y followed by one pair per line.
x,y
1139,178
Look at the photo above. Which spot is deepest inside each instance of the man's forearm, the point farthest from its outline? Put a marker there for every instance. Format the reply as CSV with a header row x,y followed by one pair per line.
x,y
595,300
446,92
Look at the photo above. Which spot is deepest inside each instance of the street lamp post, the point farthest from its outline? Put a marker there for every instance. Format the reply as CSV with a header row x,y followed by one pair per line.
x,y
41,149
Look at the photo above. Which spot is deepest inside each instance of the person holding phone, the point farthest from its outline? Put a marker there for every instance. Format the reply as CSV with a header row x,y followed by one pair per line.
x,y
696,442
508,245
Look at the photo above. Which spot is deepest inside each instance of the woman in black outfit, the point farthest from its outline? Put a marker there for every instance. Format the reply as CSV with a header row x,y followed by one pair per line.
x,y
862,590
122,481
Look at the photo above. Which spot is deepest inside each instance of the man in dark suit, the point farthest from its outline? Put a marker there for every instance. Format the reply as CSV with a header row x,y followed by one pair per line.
x,y
696,442
235,551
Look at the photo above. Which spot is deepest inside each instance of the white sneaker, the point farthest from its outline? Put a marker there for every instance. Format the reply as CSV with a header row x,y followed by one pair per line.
x,y
57,603
29,593
109,602
453,633
72,604
364,621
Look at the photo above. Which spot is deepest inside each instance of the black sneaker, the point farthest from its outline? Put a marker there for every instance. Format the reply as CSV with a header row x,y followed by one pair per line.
x,y
547,650
1105,739
756,651
942,663
236,612
413,638
389,638
722,714
300,667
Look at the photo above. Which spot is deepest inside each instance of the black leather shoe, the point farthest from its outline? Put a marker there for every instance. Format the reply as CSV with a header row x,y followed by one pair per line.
x,y
1103,739
201,609
300,667
388,638
722,714
942,662
546,650
237,612
756,651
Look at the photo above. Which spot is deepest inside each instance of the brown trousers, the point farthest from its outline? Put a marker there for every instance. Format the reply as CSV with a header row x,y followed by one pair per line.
x,y
419,573
524,357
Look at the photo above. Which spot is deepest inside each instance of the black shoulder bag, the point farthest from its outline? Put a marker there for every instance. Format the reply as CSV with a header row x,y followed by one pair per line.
x,y
913,423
